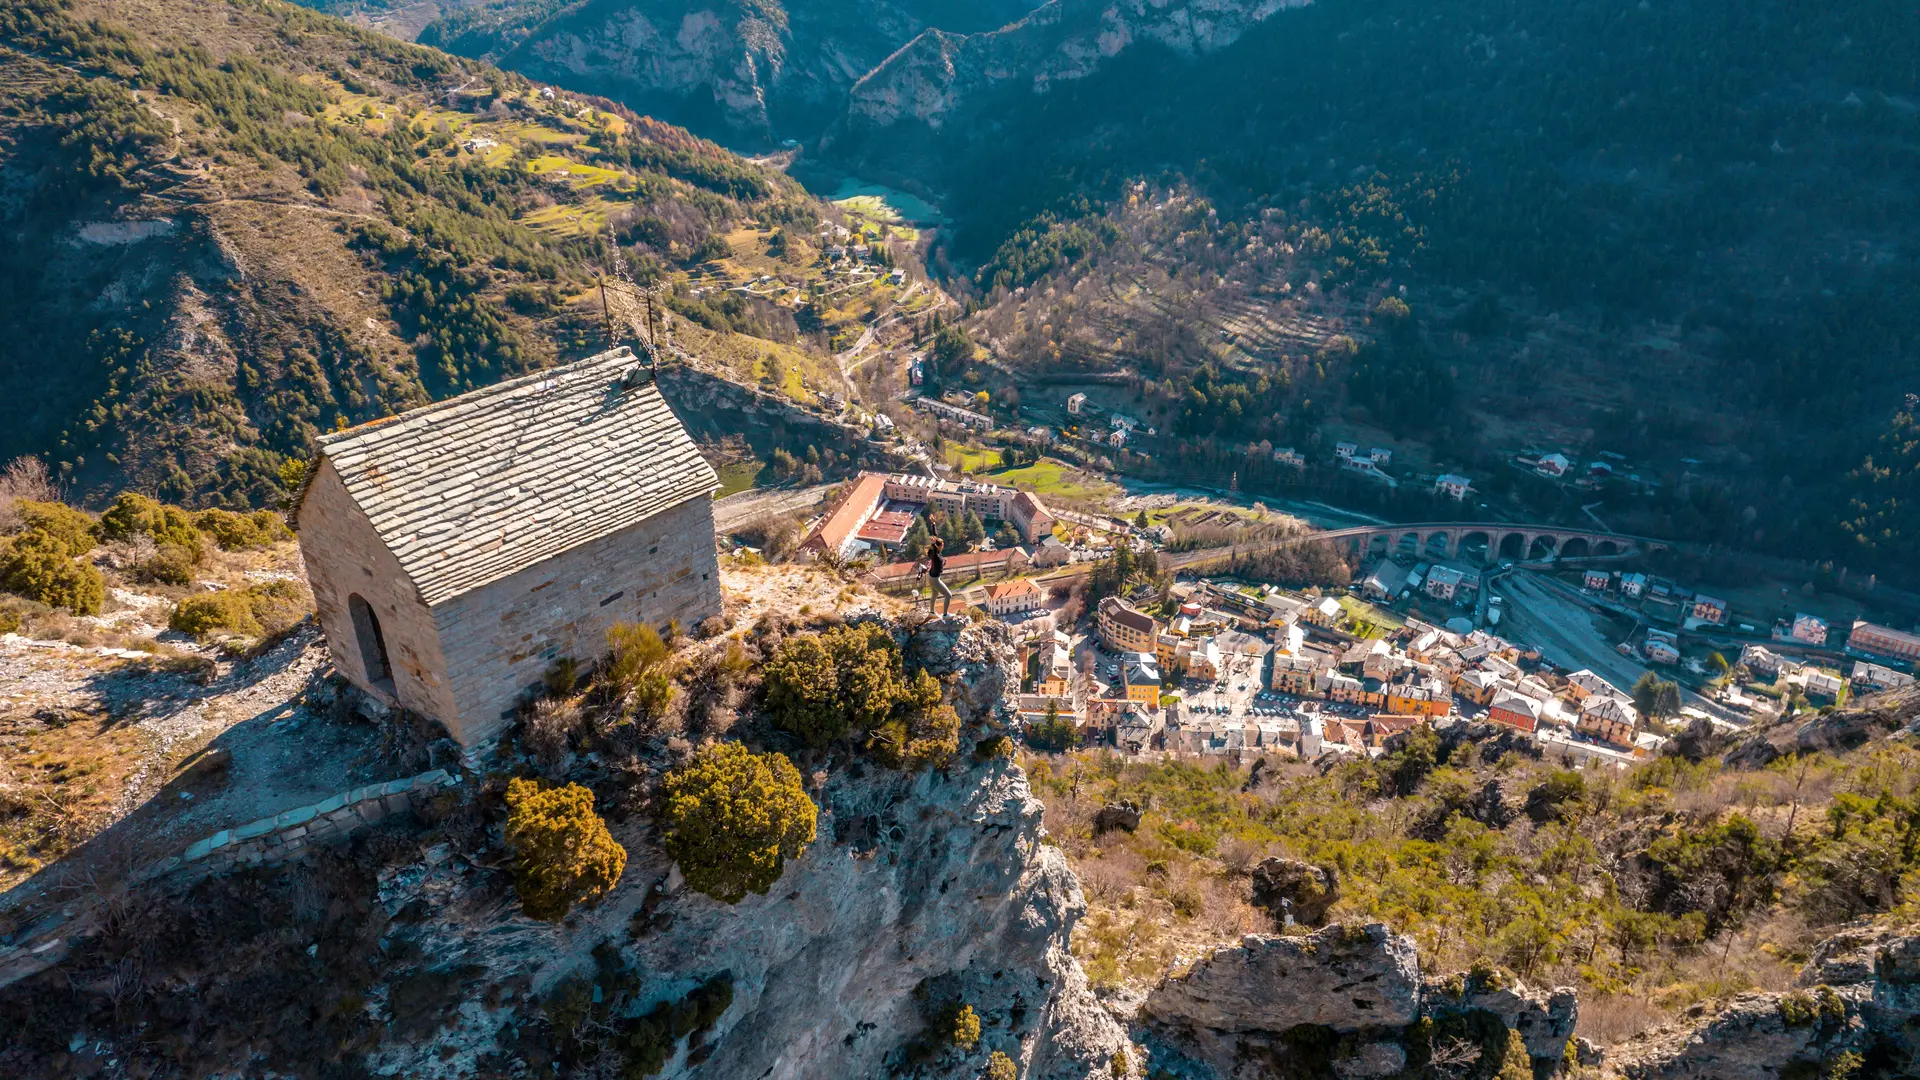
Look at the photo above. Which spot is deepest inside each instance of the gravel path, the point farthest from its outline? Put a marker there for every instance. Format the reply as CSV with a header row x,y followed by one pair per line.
x,y
743,506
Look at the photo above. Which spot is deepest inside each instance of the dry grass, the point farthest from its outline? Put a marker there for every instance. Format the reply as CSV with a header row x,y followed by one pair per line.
x,y
61,775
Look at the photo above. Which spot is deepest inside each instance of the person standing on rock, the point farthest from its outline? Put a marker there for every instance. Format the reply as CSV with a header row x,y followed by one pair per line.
x,y
933,567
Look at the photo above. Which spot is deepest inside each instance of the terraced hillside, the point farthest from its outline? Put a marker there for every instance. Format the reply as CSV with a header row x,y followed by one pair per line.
x,y
235,223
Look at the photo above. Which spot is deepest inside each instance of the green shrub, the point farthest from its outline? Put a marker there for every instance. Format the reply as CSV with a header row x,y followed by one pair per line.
x,y
133,514
202,616
635,673
562,850
994,746
1001,1067
732,818
924,733
170,565
39,566
73,528
965,1027
827,686
1515,1064
242,532
256,611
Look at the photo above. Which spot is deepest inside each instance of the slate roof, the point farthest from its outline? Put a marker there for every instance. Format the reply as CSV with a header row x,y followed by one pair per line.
x,y
481,486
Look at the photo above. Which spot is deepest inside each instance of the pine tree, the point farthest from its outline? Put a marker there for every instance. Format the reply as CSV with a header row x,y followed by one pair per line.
x,y
917,538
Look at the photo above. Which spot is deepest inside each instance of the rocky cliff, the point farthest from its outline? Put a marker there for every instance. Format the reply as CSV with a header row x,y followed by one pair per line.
x,y
749,73
938,76
922,891
1347,1000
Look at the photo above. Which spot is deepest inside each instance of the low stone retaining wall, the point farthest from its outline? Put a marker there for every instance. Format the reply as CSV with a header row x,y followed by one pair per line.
x,y
272,840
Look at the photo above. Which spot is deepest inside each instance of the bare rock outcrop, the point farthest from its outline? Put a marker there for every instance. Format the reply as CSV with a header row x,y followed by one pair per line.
x,y
1347,998
1344,978
1858,994
1544,1018
1123,815
1289,887
1872,717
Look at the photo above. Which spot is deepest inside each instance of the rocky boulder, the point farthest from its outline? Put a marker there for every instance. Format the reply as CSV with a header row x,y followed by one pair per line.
x,y
1290,887
1544,1018
1344,977
1123,815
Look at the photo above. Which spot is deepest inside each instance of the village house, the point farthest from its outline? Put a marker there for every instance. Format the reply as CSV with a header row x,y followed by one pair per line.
x,y
1034,708
1345,450
1123,628
1015,597
1418,696
1759,660
1633,585
1824,685
1554,465
1200,659
1596,580
1290,457
1584,684
1135,730
1443,582
1386,581
1325,612
1515,711
1807,629
1140,674
1709,610
1884,641
1608,720
1076,404
1661,647
1380,456
1050,552
1337,687
1379,727
1477,685
964,417
1294,675
457,550
1053,665
1868,678
1453,485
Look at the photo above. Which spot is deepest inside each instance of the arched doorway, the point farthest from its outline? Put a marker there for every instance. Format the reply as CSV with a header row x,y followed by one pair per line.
x,y
373,644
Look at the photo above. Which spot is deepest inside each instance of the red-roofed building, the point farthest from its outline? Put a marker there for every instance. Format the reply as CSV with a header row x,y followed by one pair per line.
x,y
887,529
838,531
1012,597
1515,711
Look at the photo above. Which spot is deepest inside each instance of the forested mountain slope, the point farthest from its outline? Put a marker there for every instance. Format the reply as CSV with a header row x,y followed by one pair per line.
x,y
1692,226
232,224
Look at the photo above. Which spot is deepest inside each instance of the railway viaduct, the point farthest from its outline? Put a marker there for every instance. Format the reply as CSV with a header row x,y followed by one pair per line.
x,y
1445,540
